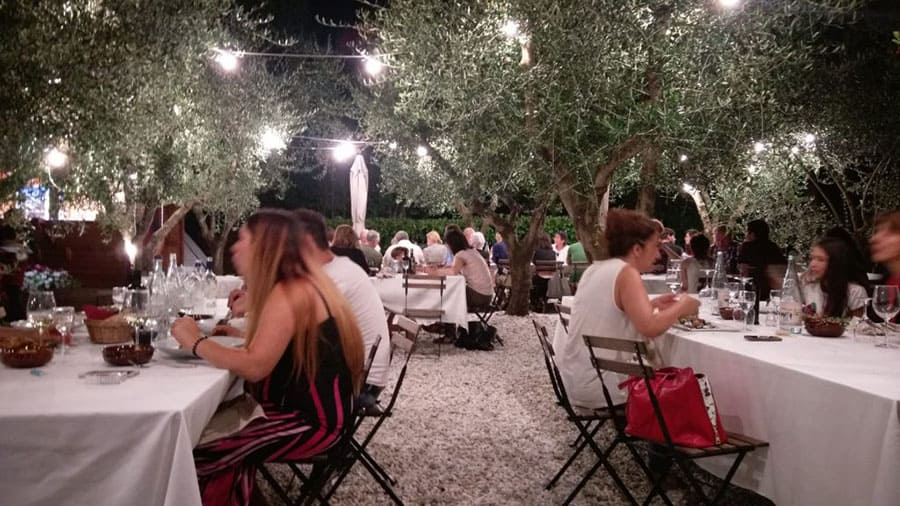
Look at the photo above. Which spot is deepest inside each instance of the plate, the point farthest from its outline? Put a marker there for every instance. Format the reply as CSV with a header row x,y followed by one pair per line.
x,y
171,347
712,327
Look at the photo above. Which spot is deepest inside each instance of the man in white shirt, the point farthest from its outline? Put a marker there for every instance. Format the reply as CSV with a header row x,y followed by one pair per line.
x,y
401,238
360,293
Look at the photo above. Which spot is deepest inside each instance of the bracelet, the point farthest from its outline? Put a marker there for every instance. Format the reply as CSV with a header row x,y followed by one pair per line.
x,y
198,341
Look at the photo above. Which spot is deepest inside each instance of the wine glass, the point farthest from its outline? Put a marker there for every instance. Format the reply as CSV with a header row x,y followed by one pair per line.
x,y
866,328
673,276
137,307
63,319
707,277
747,299
886,303
40,310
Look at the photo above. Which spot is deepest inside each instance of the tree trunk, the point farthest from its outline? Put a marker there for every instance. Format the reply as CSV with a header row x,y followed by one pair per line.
x,y
154,246
521,252
219,254
649,165
702,210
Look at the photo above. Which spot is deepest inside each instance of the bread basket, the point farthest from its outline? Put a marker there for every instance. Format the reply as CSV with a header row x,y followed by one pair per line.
x,y
113,330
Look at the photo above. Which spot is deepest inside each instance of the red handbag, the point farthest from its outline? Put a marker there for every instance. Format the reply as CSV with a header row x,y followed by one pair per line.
x,y
686,402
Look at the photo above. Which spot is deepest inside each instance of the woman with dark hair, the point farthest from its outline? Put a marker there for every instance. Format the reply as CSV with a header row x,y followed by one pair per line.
x,y
543,252
472,266
346,244
691,266
885,246
611,301
827,283
302,360
859,267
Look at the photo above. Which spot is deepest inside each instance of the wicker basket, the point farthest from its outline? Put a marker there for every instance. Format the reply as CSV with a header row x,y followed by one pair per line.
x,y
112,330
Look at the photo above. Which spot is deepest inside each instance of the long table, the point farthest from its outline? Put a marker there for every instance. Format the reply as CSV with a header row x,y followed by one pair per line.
x,y
64,441
830,409
452,302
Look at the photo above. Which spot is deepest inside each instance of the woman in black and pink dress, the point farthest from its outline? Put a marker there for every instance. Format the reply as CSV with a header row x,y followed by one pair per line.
x,y
302,363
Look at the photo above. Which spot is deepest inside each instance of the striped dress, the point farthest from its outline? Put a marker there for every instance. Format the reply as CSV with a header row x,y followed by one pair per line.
x,y
303,419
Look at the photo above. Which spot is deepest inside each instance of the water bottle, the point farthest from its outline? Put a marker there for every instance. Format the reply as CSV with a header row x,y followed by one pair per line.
x,y
193,291
719,284
174,285
157,283
791,310
158,303
210,288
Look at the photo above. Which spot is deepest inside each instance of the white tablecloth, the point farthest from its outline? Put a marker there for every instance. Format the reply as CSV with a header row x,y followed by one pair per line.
x,y
64,441
453,301
830,409
225,284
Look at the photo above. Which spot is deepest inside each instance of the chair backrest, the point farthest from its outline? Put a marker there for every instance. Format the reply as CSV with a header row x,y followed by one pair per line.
x,y
639,369
547,266
406,339
424,282
547,349
565,314
371,358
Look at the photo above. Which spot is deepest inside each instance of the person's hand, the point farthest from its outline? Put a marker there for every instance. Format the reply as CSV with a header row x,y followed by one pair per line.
x,y
664,301
186,331
226,330
237,303
689,305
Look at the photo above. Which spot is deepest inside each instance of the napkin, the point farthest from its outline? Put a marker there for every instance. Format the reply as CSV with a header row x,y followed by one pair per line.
x,y
97,313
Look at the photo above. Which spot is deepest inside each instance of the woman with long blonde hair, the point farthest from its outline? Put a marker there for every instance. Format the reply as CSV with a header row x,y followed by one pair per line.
x,y
303,359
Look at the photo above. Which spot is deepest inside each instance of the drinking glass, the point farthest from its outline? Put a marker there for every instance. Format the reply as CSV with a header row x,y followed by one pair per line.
x,y
673,281
63,319
40,310
734,288
118,296
772,306
886,303
747,299
707,277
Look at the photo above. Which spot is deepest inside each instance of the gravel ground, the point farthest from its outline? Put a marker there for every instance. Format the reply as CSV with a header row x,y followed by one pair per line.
x,y
474,427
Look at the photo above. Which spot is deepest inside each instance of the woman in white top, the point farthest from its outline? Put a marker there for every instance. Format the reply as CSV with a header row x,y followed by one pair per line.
x,y
611,301
692,265
827,282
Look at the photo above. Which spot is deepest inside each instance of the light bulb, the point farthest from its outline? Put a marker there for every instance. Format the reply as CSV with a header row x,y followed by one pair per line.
x,y
227,60
271,140
510,29
56,159
344,151
373,66
422,151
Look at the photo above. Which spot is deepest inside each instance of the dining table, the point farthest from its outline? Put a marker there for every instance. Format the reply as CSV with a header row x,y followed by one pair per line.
x,y
66,440
829,408
452,300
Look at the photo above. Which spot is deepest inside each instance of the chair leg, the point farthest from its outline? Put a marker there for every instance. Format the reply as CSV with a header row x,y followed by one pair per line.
x,y
692,481
647,472
602,460
279,490
727,480
579,445
383,483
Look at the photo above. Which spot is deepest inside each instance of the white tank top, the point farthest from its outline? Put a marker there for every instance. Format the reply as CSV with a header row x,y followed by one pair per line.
x,y
594,313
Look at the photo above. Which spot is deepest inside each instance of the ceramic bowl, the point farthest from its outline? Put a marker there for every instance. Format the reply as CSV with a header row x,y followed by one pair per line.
x,y
26,355
127,354
821,328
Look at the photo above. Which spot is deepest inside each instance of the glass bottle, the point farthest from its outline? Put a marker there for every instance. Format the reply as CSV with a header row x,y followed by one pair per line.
x,y
790,314
719,283
210,287
157,283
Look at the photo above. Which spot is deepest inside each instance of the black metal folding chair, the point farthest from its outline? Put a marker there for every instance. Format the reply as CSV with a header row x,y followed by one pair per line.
x,y
565,314
406,340
588,423
324,466
738,444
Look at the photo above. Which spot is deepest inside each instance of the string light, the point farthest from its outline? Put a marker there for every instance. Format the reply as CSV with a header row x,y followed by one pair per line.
x,y
510,29
758,147
729,4
271,140
373,66
422,151
344,151
230,60
683,158
55,158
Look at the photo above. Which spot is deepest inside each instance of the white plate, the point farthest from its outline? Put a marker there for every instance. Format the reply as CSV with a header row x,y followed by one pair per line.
x,y
715,327
171,347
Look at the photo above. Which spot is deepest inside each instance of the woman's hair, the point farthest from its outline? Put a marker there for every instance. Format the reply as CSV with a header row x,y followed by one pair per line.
x,y
345,237
890,220
836,278
434,237
277,258
626,229
455,239
700,247
544,241
759,229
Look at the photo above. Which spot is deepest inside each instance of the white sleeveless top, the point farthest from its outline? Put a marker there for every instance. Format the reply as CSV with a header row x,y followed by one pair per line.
x,y
594,313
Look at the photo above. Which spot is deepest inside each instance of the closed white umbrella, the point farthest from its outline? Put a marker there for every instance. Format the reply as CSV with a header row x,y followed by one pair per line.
x,y
359,193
